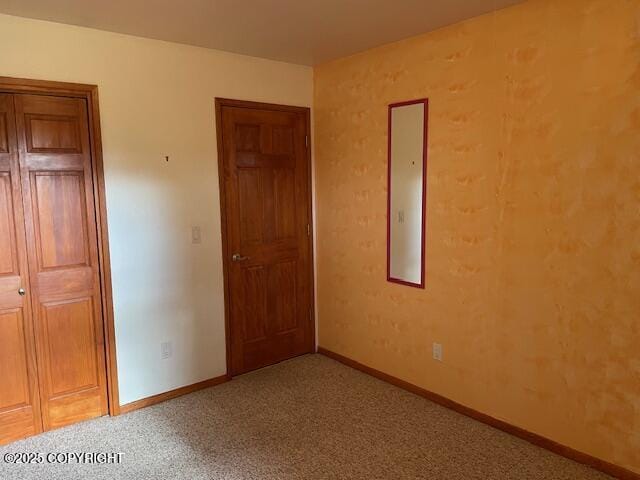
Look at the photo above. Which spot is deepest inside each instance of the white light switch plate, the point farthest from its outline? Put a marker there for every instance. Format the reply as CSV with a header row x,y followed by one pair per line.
x,y
196,235
166,350
437,351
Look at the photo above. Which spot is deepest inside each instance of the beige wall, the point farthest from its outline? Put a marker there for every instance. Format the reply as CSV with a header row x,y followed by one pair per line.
x,y
156,99
533,227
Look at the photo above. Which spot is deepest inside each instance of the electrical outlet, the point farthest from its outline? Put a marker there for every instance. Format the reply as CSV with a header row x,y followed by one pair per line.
x,y
437,351
196,235
166,350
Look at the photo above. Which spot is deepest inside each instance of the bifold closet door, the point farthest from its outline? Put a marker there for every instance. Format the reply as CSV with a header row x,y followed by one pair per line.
x,y
62,248
19,402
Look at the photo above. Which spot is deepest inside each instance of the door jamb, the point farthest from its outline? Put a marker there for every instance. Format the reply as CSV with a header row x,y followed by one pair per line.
x,y
306,111
90,94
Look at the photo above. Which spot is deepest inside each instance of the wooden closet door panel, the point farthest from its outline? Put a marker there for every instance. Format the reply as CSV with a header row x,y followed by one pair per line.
x,y
55,160
19,400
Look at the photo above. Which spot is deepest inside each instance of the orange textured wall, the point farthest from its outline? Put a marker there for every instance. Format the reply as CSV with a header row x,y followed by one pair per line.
x,y
533,218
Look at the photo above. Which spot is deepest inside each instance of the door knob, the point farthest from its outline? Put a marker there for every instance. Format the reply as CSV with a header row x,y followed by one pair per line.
x,y
238,258
22,292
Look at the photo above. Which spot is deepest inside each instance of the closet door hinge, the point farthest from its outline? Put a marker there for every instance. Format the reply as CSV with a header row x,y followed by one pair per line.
x,y
306,141
308,229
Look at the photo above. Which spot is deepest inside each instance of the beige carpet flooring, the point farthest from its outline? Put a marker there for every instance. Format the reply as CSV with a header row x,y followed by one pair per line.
x,y
308,418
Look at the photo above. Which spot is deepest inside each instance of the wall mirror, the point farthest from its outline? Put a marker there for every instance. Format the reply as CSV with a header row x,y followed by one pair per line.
x,y
406,201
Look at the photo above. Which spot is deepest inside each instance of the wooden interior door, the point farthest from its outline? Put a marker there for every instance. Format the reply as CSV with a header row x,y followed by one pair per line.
x,y
19,400
57,193
265,175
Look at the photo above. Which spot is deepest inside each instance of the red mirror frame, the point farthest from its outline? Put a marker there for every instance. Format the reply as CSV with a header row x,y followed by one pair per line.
x,y
424,101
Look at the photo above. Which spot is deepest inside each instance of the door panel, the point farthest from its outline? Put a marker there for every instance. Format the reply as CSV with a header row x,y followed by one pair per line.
x,y
55,162
60,219
251,208
266,184
254,313
13,361
69,349
8,253
283,312
4,133
52,134
284,187
19,401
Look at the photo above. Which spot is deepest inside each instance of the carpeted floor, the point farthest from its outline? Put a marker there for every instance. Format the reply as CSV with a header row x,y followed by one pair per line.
x,y
308,418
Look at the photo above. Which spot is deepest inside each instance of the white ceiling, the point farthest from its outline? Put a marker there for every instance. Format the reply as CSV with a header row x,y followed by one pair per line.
x,y
307,32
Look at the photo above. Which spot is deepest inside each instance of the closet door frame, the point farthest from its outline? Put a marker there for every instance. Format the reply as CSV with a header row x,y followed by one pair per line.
x,y
90,94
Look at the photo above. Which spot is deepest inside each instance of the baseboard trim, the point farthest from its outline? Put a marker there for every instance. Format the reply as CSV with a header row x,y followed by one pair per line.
x,y
538,440
163,397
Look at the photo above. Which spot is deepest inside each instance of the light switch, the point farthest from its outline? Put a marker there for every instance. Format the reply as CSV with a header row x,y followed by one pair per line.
x,y
166,350
196,235
437,351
